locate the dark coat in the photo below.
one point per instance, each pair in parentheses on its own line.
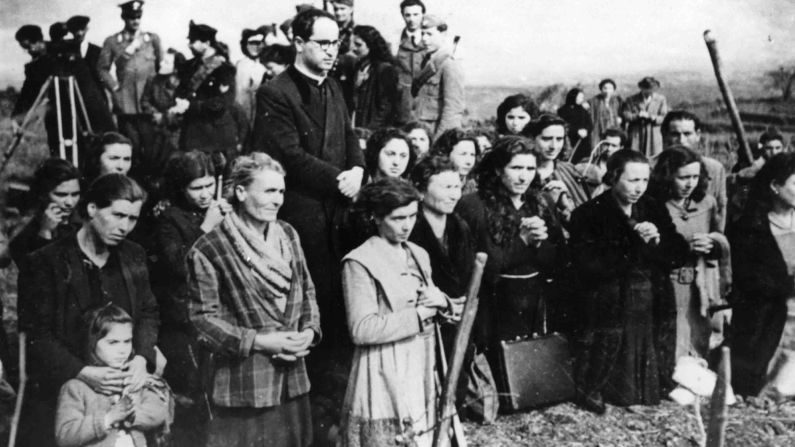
(628,306)
(36,73)
(213,121)
(450,270)
(761,287)
(314,146)
(377,98)
(53,296)
(28,240)
(92,61)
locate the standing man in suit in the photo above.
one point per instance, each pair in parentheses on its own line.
(78,26)
(136,55)
(302,122)
(438,89)
(61,281)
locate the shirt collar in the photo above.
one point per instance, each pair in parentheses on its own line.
(314,77)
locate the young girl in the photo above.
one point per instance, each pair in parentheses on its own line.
(87,418)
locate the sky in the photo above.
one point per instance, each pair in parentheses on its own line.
(503,42)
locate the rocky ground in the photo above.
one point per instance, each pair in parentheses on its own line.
(750,423)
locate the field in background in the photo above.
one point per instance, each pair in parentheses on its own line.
(750,423)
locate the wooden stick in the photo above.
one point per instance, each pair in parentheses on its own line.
(718,407)
(59,116)
(73,110)
(441,373)
(728,98)
(219,187)
(23,380)
(462,336)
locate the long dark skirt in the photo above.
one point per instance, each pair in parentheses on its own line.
(619,356)
(286,425)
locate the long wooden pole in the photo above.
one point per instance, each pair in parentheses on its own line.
(728,97)
(718,407)
(462,335)
(23,380)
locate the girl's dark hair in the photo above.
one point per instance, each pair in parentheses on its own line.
(92,168)
(618,161)
(279,54)
(98,323)
(503,224)
(761,197)
(535,127)
(376,143)
(181,170)
(510,103)
(109,188)
(661,184)
(379,198)
(51,173)
(379,49)
(449,138)
(427,168)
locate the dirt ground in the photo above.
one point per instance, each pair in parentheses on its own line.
(750,423)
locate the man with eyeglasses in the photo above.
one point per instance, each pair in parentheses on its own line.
(438,89)
(302,121)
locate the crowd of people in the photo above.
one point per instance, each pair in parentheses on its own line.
(277,251)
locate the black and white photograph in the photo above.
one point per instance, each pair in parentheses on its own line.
(419,223)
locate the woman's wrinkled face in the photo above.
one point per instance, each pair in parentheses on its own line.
(463,156)
(550,142)
(786,192)
(396,226)
(65,196)
(443,193)
(263,197)
(686,180)
(516,119)
(393,158)
(200,192)
(518,174)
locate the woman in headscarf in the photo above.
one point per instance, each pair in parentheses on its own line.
(253,306)
(580,124)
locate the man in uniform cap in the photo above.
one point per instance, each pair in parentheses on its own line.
(438,89)
(78,26)
(136,55)
(31,39)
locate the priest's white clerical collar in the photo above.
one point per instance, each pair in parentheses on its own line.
(309,75)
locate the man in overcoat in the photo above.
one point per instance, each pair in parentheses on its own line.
(438,89)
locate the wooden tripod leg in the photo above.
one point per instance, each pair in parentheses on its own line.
(23,380)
